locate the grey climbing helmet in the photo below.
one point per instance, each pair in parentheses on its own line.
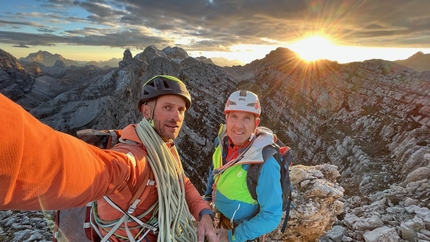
(164,85)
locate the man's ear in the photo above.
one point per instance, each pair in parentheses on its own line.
(257,121)
(145,109)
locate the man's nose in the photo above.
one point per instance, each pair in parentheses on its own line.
(177,116)
(238,124)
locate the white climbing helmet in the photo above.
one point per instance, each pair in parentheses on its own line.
(244,101)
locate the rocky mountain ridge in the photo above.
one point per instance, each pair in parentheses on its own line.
(369,121)
(45,58)
(418,61)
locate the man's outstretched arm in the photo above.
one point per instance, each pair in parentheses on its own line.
(41,168)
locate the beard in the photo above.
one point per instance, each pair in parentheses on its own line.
(167,130)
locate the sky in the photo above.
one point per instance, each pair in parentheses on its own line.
(242,30)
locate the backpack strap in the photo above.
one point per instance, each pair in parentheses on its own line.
(255,169)
(124,219)
(87,223)
(114,137)
(148,181)
(287,215)
(271,150)
(55,232)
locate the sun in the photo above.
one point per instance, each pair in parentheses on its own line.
(313,48)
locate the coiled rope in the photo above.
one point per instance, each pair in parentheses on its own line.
(174,217)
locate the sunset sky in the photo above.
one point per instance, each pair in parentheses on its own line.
(245,30)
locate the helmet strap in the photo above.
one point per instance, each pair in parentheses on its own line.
(251,137)
(151,118)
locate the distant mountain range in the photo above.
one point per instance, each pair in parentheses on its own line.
(48,59)
(419,61)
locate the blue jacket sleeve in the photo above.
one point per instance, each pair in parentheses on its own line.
(208,192)
(269,197)
(209,184)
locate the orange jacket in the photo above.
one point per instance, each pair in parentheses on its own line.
(123,197)
(44,169)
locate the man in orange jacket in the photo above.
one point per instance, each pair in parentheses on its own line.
(43,169)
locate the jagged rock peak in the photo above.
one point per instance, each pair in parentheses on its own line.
(418,54)
(204,60)
(127,55)
(127,59)
(149,53)
(7,60)
(281,51)
(279,56)
(176,53)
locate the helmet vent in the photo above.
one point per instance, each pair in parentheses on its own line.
(158,86)
(164,85)
(243,100)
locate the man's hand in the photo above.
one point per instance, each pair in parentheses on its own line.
(206,228)
(222,235)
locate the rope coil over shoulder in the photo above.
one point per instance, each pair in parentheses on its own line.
(175,223)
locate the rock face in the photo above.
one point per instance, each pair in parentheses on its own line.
(33,84)
(367,121)
(316,203)
(15,82)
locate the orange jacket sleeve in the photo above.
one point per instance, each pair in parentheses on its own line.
(195,201)
(41,168)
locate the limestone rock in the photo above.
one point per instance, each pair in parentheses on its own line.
(316,204)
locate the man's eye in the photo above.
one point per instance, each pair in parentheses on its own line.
(167,107)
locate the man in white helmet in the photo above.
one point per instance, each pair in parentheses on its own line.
(239,144)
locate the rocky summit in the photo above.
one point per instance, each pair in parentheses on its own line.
(359,132)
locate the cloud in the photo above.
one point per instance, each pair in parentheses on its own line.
(216,25)
(101,10)
(19,23)
(21,46)
(45,30)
